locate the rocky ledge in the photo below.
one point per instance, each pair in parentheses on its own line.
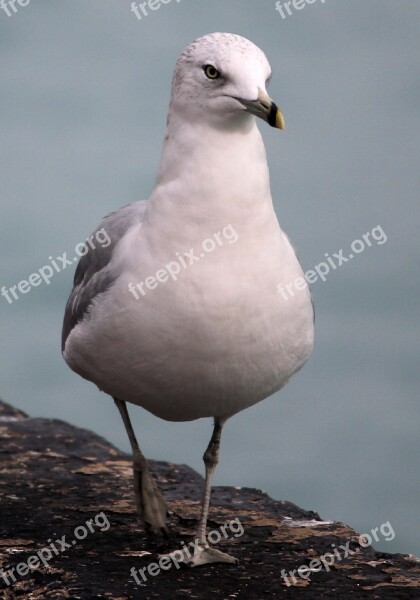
(69,530)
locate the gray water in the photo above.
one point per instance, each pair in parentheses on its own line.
(84,92)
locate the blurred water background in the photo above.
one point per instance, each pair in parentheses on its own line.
(84,94)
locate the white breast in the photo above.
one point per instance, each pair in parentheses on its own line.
(218,339)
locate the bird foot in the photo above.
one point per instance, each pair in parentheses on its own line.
(151,505)
(202,556)
(209,555)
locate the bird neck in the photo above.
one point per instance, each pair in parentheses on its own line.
(209,177)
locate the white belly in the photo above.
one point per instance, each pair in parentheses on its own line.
(212,343)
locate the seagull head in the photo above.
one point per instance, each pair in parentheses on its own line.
(221,79)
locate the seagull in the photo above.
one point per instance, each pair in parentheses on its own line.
(181,313)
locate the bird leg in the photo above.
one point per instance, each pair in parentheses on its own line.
(203,554)
(150,503)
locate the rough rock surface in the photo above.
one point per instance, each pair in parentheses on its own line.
(55,478)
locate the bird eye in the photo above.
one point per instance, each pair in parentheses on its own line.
(211,72)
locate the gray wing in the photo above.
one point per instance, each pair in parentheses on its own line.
(93,274)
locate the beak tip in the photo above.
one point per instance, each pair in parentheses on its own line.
(280,123)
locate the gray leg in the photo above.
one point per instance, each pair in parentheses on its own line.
(204,554)
(211,459)
(150,504)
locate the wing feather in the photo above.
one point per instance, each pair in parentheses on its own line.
(95,273)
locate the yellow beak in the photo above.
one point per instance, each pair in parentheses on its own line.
(265,108)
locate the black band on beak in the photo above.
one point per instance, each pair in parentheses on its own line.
(272,115)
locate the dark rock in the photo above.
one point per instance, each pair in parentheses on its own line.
(61,487)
